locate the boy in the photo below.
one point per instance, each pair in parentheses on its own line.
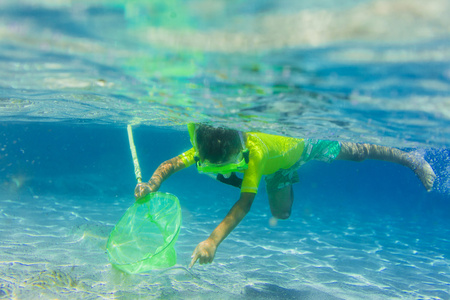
(221,152)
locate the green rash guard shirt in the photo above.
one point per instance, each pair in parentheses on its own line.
(267,154)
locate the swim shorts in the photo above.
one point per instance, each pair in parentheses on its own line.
(321,150)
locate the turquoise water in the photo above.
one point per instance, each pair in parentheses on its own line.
(74,74)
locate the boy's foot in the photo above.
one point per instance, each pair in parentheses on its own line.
(423,170)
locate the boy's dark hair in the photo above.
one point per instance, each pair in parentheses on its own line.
(217,143)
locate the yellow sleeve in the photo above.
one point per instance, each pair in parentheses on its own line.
(188,157)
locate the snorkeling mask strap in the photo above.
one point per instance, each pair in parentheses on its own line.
(245,151)
(246,154)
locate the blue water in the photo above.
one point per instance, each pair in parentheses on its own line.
(73,75)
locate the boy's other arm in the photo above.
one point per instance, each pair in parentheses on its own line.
(205,251)
(164,171)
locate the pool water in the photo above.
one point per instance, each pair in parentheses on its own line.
(74,74)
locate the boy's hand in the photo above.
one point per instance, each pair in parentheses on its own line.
(142,189)
(204,252)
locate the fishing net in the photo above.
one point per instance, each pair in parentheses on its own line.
(145,236)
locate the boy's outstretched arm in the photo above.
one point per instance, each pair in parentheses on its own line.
(205,251)
(163,172)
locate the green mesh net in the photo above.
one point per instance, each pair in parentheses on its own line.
(145,236)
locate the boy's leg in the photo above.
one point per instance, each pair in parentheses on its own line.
(360,152)
(280,202)
(280,192)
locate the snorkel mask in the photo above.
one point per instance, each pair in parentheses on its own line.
(238,164)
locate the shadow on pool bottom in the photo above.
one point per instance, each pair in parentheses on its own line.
(272,291)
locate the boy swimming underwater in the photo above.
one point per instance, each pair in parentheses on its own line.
(221,152)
